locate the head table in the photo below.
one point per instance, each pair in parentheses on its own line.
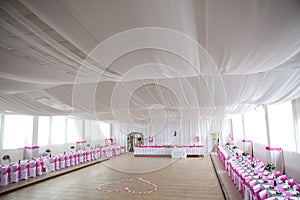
(254,179)
(169,151)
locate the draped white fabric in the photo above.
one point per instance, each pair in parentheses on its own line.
(138,61)
(163,132)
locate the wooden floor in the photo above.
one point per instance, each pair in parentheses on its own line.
(229,188)
(191,178)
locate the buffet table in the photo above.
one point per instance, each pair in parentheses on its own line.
(169,151)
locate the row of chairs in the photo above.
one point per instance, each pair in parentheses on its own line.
(15,172)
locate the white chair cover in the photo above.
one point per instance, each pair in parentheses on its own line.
(49,165)
(68,161)
(3,176)
(32,169)
(14,175)
(61,160)
(24,171)
(39,169)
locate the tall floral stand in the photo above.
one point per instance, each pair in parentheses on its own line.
(248,147)
(80,145)
(275,156)
(31,152)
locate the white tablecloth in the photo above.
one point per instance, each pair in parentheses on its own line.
(167,151)
(179,153)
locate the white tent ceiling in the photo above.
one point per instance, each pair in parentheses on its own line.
(138,59)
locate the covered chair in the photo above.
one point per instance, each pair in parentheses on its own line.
(39,167)
(3,176)
(50,164)
(14,173)
(263,194)
(32,169)
(23,171)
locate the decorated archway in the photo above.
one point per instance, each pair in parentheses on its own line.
(134,139)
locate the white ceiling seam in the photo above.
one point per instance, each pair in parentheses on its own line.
(40,33)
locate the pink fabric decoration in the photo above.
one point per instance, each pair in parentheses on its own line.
(298,188)
(231,136)
(292,182)
(273,149)
(277,174)
(246,141)
(19,172)
(9,174)
(81,142)
(150,139)
(283,178)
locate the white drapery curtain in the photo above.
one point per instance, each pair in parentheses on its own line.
(37,71)
(163,133)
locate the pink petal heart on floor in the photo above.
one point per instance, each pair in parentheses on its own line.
(154,187)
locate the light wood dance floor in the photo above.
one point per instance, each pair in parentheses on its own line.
(191,178)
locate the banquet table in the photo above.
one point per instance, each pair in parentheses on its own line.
(15,172)
(166,151)
(30,168)
(251,178)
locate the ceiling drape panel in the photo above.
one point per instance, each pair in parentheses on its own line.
(140,61)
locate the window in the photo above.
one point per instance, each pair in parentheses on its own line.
(105,129)
(74,127)
(237,128)
(58,130)
(43,130)
(18,130)
(99,130)
(255,126)
(95,131)
(296,107)
(281,126)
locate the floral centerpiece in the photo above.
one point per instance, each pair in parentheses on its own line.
(72,148)
(245,154)
(6,159)
(48,152)
(269,167)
